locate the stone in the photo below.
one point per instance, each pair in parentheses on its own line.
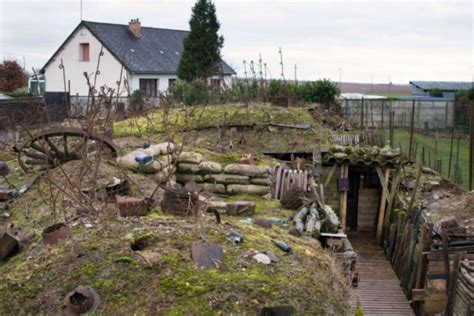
(210,167)
(185,178)
(186,167)
(246,170)
(226,178)
(191,157)
(261,181)
(262,258)
(247,189)
(213,187)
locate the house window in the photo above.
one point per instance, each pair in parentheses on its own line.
(84,54)
(149,87)
(215,83)
(171,82)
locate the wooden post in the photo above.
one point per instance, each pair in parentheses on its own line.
(412,126)
(444,236)
(423,161)
(392,123)
(383,203)
(453,126)
(413,194)
(458,257)
(471,142)
(343,199)
(362,114)
(381,125)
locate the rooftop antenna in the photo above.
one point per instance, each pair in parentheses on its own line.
(81,10)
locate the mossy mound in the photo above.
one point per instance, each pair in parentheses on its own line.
(100,254)
(209,117)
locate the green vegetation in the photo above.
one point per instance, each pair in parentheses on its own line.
(202,47)
(101,256)
(209,117)
(433,151)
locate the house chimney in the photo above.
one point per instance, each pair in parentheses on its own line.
(135,27)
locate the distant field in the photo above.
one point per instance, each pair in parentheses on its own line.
(403,137)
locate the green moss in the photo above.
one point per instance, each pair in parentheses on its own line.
(210,116)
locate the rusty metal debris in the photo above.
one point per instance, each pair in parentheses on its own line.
(51,148)
(4,170)
(54,233)
(132,206)
(11,240)
(181,201)
(262,222)
(7,194)
(206,254)
(277,310)
(80,301)
(241,208)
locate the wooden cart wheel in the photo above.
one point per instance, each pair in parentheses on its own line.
(51,148)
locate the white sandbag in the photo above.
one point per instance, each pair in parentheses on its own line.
(210,167)
(246,170)
(187,156)
(247,189)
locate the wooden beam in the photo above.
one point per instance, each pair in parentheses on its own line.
(343,199)
(383,181)
(383,203)
(330,174)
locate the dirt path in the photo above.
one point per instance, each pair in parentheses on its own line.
(379,290)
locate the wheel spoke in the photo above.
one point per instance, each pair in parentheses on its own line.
(56,150)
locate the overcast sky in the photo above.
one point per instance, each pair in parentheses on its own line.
(363,40)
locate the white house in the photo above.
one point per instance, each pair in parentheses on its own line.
(147,57)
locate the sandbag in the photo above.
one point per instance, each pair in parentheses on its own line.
(261,181)
(213,187)
(191,157)
(186,167)
(226,178)
(210,167)
(246,170)
(185,178)
(247,189)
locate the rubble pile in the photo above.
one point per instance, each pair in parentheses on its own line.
(232,179)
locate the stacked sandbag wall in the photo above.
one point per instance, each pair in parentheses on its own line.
(232,179)
(161,165)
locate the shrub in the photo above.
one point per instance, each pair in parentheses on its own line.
(190,93)
(12,76)
(322,91)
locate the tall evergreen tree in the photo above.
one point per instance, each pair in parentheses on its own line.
(202,47)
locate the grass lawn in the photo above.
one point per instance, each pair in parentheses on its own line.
(440,151)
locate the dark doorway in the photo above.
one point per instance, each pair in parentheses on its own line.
(353,198)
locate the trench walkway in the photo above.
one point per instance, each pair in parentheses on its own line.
(379,291)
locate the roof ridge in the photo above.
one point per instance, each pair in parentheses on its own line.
(143,27)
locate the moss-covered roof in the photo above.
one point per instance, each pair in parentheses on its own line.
(360,155)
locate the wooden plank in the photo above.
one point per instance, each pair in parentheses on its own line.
(383,203)
(423,295)
(330,174)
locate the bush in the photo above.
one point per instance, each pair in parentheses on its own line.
(322,91)
(190,93)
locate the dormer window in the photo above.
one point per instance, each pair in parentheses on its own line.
(84,52)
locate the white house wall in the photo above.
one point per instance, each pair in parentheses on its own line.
(75,68)
(163,81)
